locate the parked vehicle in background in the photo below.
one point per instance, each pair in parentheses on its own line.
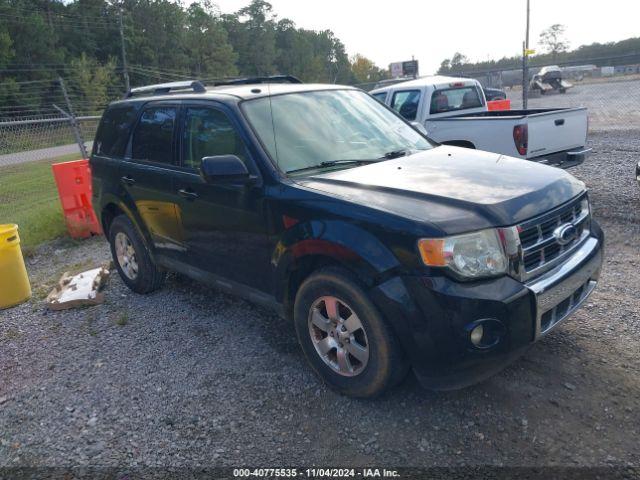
(384,250)
(549,79)
(494,94)
(454,112)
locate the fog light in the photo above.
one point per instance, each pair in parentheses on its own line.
(476,335)
(485,333)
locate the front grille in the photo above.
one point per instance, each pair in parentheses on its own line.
(541,248)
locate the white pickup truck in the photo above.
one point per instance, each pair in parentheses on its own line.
(453,111)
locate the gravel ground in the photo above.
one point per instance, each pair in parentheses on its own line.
(188,376)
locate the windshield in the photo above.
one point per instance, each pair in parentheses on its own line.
(329,129)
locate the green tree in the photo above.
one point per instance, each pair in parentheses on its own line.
(445,66)
(93,82)
(364,70)
(553,40)
(458,60)
(6,50)
(252,34)
(208,49)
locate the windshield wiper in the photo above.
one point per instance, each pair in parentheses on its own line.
(331,163)
(394,154)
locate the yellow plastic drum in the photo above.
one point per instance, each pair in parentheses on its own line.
(14,282)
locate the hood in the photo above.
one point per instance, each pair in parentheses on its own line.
(455,189)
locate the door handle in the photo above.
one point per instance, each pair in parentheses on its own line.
(188,194)
(559,122)
(128,180)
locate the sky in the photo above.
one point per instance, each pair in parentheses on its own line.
(391,31)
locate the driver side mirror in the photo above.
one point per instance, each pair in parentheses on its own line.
(224,169)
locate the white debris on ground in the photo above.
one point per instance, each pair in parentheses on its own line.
(79,290)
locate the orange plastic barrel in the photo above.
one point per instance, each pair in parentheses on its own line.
(74,187)
(14,281)
(499,105)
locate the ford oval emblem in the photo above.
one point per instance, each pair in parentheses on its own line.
(565,233)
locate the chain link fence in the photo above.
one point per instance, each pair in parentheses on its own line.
(39,126)
(43,138)
(28,194)
(609,87)
(612,103)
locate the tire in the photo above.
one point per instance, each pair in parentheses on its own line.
(131,257)
(384,365)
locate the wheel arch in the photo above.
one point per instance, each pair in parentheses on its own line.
(109,212)
(298,256)
(114,208)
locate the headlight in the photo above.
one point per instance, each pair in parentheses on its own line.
(472,255)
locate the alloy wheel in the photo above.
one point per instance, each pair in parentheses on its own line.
(126,255)
(338,336)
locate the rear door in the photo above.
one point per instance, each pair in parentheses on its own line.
(147,176)
(556,131)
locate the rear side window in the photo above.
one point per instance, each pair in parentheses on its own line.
(114,131)
(406,103)
(449,99)
(153,136)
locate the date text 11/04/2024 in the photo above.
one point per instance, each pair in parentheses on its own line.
(316,473)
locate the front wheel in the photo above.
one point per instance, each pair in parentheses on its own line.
(344,337)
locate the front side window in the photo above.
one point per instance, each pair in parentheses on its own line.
(114,131)
(307,129)
(406,103)
(449,99)
(208,132)
(153,136)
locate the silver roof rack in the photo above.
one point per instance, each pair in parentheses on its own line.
(163,88)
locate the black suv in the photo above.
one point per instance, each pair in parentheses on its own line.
(385,250)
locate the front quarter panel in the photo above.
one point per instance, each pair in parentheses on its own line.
(347,244)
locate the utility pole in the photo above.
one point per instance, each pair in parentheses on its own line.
(125,71)
(525,67)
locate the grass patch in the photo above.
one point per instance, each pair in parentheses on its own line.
(122,319)
(29,197)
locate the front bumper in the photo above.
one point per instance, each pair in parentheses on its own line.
(431,315)
(565,159)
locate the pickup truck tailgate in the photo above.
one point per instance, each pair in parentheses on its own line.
(556,131)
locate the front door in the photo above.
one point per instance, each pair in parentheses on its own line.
(224,224)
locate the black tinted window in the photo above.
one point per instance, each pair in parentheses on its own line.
(381,97)
(209,132)
(449,99)
(406,103)
(115,127)
(153,136)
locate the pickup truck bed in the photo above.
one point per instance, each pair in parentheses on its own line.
(454,111)
(554,136)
